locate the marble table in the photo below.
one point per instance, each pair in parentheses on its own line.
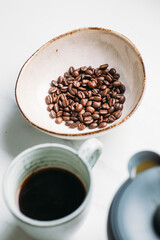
(25,26)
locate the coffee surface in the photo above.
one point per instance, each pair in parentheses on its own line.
(50,194)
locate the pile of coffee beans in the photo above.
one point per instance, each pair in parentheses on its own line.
(86,97)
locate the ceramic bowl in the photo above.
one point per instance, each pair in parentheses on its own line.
(86,46)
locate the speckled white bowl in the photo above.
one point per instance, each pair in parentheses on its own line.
(86,46)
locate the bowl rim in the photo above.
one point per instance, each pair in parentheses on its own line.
(70,33)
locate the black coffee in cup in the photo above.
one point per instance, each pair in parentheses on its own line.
(50,194)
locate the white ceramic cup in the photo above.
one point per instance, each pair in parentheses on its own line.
(44,156)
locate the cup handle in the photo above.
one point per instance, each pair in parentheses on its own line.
(90,151)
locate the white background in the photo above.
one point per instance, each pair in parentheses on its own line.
(24,27)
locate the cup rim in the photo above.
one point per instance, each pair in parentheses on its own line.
(33,222)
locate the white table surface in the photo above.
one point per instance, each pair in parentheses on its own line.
(24,27)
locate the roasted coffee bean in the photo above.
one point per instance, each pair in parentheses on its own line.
(59,120)
(98,72)
(105,92)
(104,100)
(81,126)
(59,114)
(52,89)
(122,99)
(87,118)
(97,98)
(65,103)
(107,115)
(106,82)
(102,125)
(86,76)
(60,103)
(76,84)
(56,107)
(111,101)
(89,103)
(118,90)
(111,119)
(87,122)
(66,118)
(118,106)
(96,104)
(108,97)
(91,84)
(78,78)
(113,94)
(91,98)
(116,76)
(60,79)
(95,116)
(90,109)
(103,66)
(89,93)
(79,107)
(86,114)
(50,107)
(80,118)
(117,114)
(76,99)
(103,112)
(71,90)
(122,88)
(53,114)
(103,87)
(108,78)
(66,74)
(93,125)
(83,69)
(66,114)
(105,106)
(85,81)
(86,97)
(74,114)
(101,79)
(69,122)
(74,125)
(75,73)
(70,79)
(81,94)
(68,94)
(54,83)
(89,72)
(48,99)
(62,96)
(82,112)
(116,84)
(67,109)
(65,82)
(105,71)
(84,101)
(82,89)
(111,110)
(63,89)
(71,70)
(74,119)
(112,71)
(95,80)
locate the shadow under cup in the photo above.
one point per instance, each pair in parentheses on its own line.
(34,159)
